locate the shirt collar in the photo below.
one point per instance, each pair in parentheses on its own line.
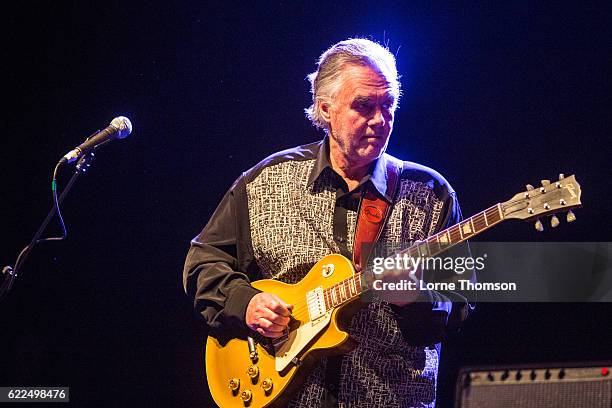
(377,174)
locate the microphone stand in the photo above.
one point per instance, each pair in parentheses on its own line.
(11,273)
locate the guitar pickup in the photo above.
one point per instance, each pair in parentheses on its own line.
(316,303)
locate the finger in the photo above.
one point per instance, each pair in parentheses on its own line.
(270,326)
(275,318)
(280,307)
(269,334)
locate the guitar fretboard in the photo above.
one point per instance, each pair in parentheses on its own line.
(354,286)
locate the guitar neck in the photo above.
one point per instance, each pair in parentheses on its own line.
(354,286)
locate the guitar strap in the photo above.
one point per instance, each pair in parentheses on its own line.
(371,218)
(372,215)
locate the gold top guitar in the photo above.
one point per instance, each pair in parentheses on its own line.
(257,372)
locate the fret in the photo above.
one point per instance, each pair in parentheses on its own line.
(476,221)
(455,234)
(431,241)
(325,298)
(501,215)
(493,215)
(484,213)
(428,247)
(444,239)
(472,222)
(422,249)
(466,229)
(490,216)
(413,251)
(337,288)
(358,280)
(343,295)
(354,284)
(333,295)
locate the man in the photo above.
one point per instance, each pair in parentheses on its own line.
(298,205)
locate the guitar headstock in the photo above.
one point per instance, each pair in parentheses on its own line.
(552,197)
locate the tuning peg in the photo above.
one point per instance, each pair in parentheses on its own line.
(561,176)
(570,216)
(539,226)
(554,221)
(545,182)
(529,187)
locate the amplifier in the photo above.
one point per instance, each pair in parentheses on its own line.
(573,385)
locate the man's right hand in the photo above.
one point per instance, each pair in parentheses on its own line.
(268,315)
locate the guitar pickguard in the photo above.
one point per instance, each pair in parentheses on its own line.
(298,339)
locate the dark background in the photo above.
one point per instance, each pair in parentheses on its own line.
(495,96)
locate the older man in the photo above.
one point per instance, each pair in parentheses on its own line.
(298,205)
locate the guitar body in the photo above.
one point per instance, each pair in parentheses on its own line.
(231,361)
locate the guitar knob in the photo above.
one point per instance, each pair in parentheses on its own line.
(246,395)
(561,176)
(570,216)
(234,384)
(529,187)
(545,182)
(554,221)
(266,385)
(253,372)
(539,226)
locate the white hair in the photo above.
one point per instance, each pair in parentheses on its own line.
(326,80)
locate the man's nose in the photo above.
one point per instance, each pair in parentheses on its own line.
(378,119)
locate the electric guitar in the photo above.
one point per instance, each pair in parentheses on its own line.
(254,371)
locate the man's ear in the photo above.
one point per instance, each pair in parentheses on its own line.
(324,108)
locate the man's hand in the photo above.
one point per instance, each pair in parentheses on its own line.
(399,277)
(268,315)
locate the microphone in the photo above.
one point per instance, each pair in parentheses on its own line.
(119,128)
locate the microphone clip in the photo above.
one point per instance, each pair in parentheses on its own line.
(85,162)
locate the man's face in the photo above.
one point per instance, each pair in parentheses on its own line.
(361,115)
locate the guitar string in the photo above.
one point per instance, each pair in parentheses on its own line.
(301,308)
(480,224)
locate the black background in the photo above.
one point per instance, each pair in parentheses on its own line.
(495,96)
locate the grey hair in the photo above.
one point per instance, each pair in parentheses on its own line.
(326,80)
